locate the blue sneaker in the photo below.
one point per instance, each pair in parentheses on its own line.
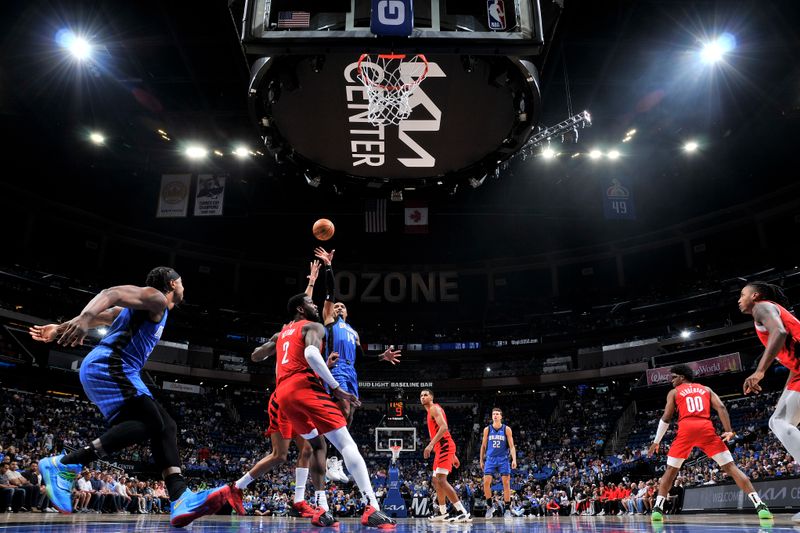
(59,479)
(192,505)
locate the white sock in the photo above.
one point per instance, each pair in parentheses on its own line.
(755,499)
(460,507)
(244,481)
(343,442)
(443,509)
(660,501)
(322,499)
(300,478)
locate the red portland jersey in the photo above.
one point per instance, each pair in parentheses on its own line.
(693,401)
(433,427)
(290,355)
(788,355)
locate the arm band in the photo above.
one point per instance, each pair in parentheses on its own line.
(662,430)
(318,365)
(330,284)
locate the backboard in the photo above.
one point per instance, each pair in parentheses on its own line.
(385,437)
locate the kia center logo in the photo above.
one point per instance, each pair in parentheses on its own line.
(391,12)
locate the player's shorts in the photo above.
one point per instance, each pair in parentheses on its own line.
(346,379)
(697,434)
(500,467)
(108,382)
(445,453)
(307,406)
(278,423)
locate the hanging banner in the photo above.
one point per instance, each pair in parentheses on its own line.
(706,367)
(173,198)
(618,202)
(210,195)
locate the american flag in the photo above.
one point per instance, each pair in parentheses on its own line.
(375,215)
(294,19)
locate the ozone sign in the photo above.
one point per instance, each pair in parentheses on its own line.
(463,116)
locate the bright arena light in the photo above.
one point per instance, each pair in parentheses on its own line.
(102,331)
(79,47)
(685,334)
(196,152)
(690,147)
(613,154)
(241,152)
(97,138)
(715,50)
(488,369)
(595,154)
(548,153)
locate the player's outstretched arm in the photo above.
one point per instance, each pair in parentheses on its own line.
(73,332)
(724,417)
(768,315)
(266,350)
(313,273)
(330,284)
(663,423)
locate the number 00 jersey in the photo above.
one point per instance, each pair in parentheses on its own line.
(693,401)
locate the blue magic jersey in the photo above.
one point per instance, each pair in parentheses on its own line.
(110,374)
(343,339)
(496,443)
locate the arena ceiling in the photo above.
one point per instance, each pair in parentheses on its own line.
(178,67)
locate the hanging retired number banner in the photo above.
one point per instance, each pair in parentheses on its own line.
(210,195)
(618,201)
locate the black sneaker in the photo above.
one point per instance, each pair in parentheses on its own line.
(375,518)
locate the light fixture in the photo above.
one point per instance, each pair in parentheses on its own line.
(102,331)
(313,182)
(713,51)
(595,154)
(196,152)
(241,152)
(488,369)
(217,152)
(690,147)
(613,154)
(475,182)
(685,334)
(548,153)
(97,138)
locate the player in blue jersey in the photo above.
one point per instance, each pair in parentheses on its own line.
(110,375)
(497,442)
(342,346)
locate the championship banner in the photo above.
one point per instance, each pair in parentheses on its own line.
(173,198)
(706,367)
(210,194)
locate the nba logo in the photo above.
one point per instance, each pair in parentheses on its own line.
(497,14)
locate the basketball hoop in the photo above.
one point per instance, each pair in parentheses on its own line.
(390,80)
(395,452)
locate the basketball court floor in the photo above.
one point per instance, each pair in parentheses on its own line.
(694,523)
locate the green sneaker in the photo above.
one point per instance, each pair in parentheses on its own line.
(763,512)
(657,515)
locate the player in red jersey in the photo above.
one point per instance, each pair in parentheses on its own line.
(444,460)
(695,430)
(779,332)
(309,408)
(281,434)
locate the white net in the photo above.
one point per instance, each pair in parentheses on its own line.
(390,80)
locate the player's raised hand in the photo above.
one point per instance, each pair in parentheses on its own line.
(313,271)
(342,395)
(324,256)
(332,359)
(751,384)
(391,355)
(728,436)
(46,333)
(653,449)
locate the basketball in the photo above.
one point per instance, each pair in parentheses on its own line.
(323,229)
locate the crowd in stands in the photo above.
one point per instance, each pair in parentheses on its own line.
(560,437)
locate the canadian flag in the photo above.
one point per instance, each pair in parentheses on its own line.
(416,216)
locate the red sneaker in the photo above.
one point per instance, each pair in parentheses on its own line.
(234,498)
(304,508)
(375,518)
(323,518)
